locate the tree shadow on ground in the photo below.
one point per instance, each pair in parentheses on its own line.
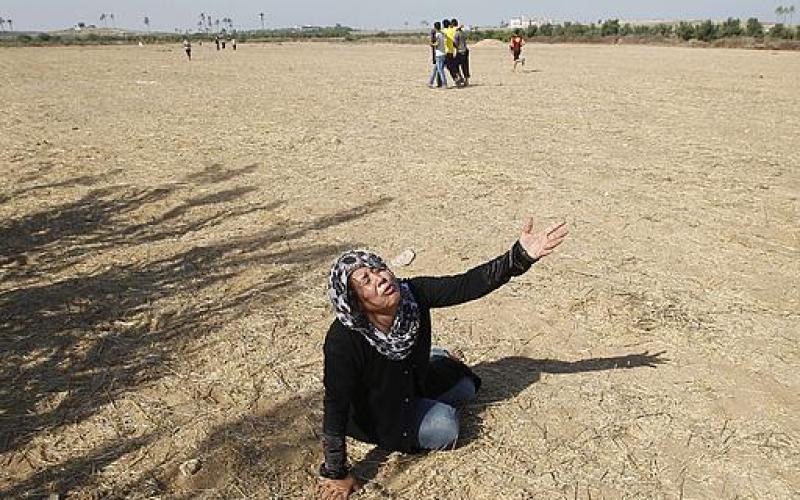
(506,378)
(216,173)
(272,453)
(71,345)
(83,181)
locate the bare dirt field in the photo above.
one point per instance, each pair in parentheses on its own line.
(166,229)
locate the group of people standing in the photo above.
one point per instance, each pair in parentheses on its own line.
(187,44)
(449,50)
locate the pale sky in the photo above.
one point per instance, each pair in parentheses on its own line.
(167,15)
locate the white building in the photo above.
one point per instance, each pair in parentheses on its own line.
(526,21)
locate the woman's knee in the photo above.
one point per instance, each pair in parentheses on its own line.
(439,427)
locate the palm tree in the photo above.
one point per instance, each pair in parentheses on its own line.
(147,23)
(216,24)
(423,23)
(779,11)
(9,22)
(103,19)
(790,10)
(261,15)
(2,24)
(113,21)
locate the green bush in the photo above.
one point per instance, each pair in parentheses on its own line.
(754,28)
(731,27)
(531,31)
(43,37)
(685,31)
(610,27)
(780,31)
(576,29)
(706,31)
(662,29)
(546,30)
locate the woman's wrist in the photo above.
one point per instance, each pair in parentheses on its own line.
(340,473)
(521,255)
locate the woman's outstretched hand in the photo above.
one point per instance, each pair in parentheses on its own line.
(541,243)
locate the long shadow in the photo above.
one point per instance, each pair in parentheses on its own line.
(216,173)
(70,345)
(76,471)
(274,448)
(505,378)
(83,180)
(48,242)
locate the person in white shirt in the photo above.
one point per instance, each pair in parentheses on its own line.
(438,44)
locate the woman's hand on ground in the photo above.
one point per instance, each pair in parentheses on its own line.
(541,243)
(337,489)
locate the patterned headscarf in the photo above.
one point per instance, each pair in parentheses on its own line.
(400,340)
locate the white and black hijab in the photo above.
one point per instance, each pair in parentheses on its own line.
(399,342)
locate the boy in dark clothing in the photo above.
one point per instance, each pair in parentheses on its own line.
(462,54)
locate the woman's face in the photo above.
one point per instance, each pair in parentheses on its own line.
(376,289)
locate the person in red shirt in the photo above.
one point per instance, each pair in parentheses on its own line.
(515,45)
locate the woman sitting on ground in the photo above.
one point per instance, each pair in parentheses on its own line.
(383,382)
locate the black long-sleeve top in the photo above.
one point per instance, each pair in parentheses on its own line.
(379,394)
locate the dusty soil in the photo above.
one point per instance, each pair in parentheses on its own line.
(166,229)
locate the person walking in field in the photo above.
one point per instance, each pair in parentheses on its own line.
(433,54)
(462,53)
(187,47)
(515,45)
(449,32)
(438,45)
(384,382)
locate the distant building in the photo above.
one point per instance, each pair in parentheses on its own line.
(526,21)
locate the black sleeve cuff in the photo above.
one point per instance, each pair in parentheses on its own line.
(328,474)
(335,465)
(520,260)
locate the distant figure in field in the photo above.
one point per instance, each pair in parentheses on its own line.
(433,55)
(216,41)
(449,32)
(438,57)
(233,43)
(515,45)
(462,53)
(224,40)
(187,47)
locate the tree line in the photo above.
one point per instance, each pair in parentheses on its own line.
(603,31)
(705,31)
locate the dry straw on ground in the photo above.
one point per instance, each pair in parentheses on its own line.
(166,229)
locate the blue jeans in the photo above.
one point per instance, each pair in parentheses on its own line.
(437,419)
(438,68)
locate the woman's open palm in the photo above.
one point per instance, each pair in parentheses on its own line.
(541,243)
